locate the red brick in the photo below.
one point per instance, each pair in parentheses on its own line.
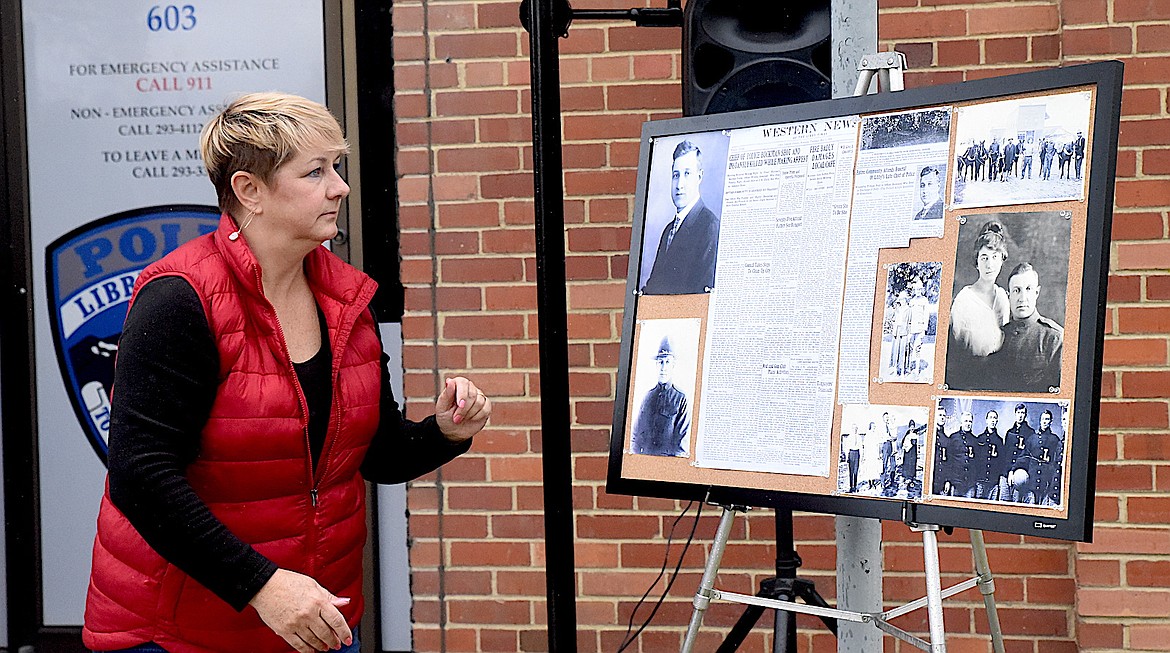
(1137,226)
(1156,161)
(599,239)
(1145,384)
(1148,510)
(1046,48)
(1143,133)
(595,296)
(600,182)
(644,96)
(918,55)
(491,14)
(486,612)
(483,327)
(1009,50)
(505,186)
(582,98)
(504,129)
(1125,602)
(1147,446)
(958,53)
(1098,40)
(1127,11)
(1008,19)
(1092,572)
(1143,256)
(458,130)
(1135,351)
(1145,70)
(1125,288)
(1134,414)
(1143,319)
(939,24)
(478,159)
(479,498)
(1108,384)
(1100,635)
(1148,573)
(583,40)
(1152,38)
(640,39)
(473,45)
(1079,12)
(475,103)
(481,269)
(1141,102)
(1124,477)
(1149,636)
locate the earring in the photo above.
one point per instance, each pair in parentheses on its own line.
(235,235)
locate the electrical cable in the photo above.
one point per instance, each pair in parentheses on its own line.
(630,639)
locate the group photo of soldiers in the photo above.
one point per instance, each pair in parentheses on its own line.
(881,451)
(1021,151)
(1008,302)
(1001,450)
(664,387)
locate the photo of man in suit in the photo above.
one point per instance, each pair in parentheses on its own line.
(684,262)
(930,192)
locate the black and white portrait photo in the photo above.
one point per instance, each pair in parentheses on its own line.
(680,239)
(664,386)
(881,451)
(1003,450)
(1022,151)
(910,322)
(931,187)
(1006,319)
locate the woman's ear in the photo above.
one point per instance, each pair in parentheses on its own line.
(248,190)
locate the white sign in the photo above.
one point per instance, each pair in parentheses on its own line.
(116,95)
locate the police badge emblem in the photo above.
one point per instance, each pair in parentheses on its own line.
(90,274)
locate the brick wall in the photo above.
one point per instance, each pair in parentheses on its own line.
(468,263)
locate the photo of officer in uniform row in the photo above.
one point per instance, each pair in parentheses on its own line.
(1000,450)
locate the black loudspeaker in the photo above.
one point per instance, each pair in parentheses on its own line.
(750,54)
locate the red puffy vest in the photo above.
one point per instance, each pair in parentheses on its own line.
(254,468)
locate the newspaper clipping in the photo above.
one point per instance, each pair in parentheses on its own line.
(769,378)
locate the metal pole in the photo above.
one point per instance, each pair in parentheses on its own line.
(548,194)
(987,588)
(938,633)
(703,594)
(859,540)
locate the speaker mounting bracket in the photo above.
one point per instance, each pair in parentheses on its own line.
(669,16)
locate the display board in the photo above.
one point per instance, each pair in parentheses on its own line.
(889,306)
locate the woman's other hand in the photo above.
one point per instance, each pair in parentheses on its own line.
(302,612)
(462,409)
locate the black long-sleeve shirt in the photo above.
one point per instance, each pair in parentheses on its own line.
(165,383)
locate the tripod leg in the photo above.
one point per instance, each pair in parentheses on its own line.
(703,595)
(739,632)
(987,588)
(938,635)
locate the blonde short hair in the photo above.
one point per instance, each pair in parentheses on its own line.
(259,132)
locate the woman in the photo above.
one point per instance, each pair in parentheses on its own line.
(252,397)
(978,312)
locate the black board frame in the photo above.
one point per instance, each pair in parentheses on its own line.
(1106,76)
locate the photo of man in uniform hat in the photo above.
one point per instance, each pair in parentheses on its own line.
(664,419)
